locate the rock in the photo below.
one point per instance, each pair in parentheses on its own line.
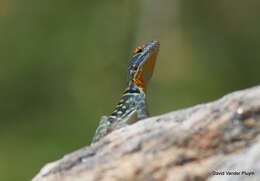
(212,141)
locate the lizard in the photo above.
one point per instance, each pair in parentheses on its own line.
(132,106)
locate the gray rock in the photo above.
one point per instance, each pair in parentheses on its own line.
(213,141)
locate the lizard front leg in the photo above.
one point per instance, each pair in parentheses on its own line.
(141,106)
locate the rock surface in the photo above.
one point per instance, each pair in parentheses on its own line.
(214,141)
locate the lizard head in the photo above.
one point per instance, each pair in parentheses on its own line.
(140,68)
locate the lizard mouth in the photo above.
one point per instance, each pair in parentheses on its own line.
(150,48)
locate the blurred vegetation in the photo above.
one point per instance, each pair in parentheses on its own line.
(63,65)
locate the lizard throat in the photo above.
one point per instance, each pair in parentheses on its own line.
(139,82)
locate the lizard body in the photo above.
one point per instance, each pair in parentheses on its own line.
(132,105)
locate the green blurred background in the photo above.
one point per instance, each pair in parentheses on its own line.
(64,63)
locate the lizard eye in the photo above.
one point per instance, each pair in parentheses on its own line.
(138,50)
